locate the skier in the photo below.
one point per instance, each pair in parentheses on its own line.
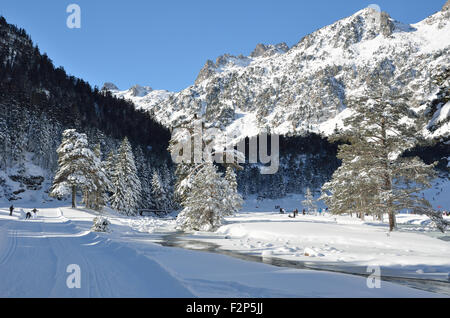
(304,212)
(34,213)
(295,213)
(11,210)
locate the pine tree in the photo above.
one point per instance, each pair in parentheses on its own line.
(96,198)
(127,186)
(204,204)
(146,183)
(351,191)
(110,168)
(78,166)
(233,198)
(159,195)
(309,202)
(382,128)
(168,184)
(145,176)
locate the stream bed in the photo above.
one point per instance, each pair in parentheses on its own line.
(393,275)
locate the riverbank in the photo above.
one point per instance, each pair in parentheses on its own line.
(417,251)
(34,255)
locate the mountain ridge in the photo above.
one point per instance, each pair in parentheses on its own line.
(304,89)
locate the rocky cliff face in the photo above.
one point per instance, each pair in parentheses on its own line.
(305,88)
(446,6)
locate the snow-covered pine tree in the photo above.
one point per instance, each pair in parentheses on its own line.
(145,176)
(146,184)
(96,199)
(233,198)
(381,129)
(200,188)
(352,189)
(78,166)
(4,141)
(110,168)
(183,169)
(309,202)
(204,204)
(183,174)
(168,182)
(159,195)
(127,185)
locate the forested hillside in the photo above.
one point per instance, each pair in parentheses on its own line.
(39,101)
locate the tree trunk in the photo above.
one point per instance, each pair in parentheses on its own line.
(74,197)
(387,178)
(392,223)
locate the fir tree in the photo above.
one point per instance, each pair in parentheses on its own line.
(204,204)
(126,183)
(352,187)
(159,195)
(96,198)
(309,202)
(233,197)
(145,176)
(168,184)
(78,166)
(110,168)
(382,128)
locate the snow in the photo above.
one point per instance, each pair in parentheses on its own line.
(331,239)
(244,125)
(323,239)
(144,98)
(441,115)
(34,256)
(432,37)
(29,170)
(328,128)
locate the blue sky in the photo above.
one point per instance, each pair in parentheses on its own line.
(164,44)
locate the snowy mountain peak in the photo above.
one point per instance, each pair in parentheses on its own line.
(109,87)
(362,26)
(446,6)
(268,50)
(227,61)
(305,88)
(222,62)
(140,91)
(143,97)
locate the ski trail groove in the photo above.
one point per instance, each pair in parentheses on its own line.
(12,246)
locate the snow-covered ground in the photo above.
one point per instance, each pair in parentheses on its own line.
(344,243)
(34,256)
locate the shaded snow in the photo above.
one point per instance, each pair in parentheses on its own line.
(34,257)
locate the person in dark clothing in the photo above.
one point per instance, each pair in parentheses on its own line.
(282,211)
(304,212)
(295,212)
(11,210)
